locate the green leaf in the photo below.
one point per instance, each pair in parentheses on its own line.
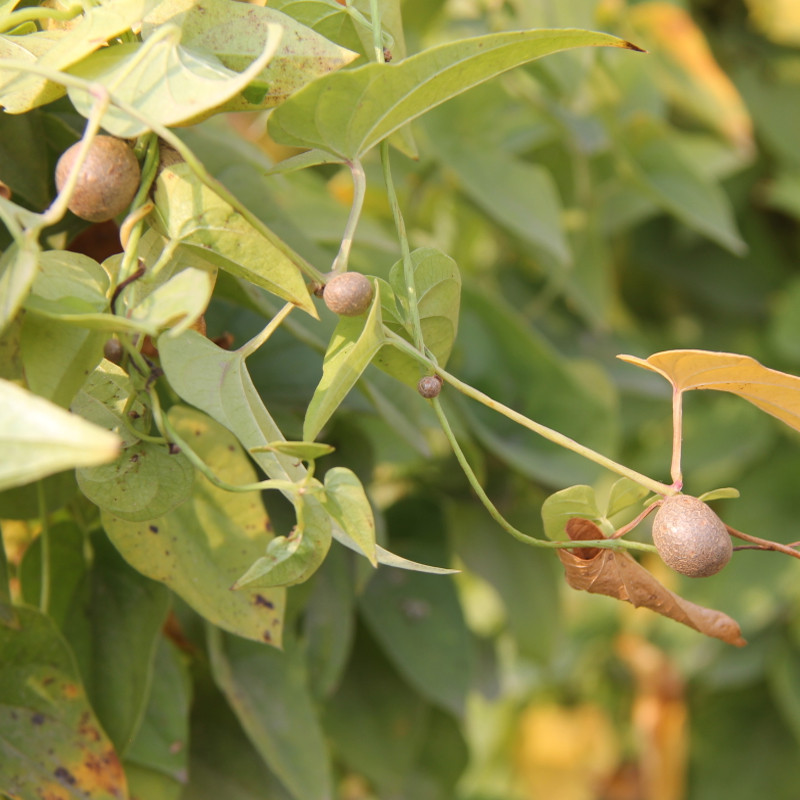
(114,630)
(527,580)
(152,784)
(223,761)
(162,740)
(268,691)
(164,81)
(39,438)
(305,451)
(624,494)
(237,35)
(329,622)
(48,731)
(58,357)
(198,218)
(375,721)
(417,619)
(199,548)
(30,90)
(217,381)
(346,501)
(520,196)
(98,25)
(24,166)
(352,347)
(558,508)
(68,570)
(437,283)
(660,170)
(68,283)
(334,22)
(295,558)
(349,112)
(8,616)
(145,482)
(17,272)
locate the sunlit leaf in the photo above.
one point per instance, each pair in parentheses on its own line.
(560,507)
(17,272)
(777,19)
(777,393)
(437,283)
(39,438)
(294,558)
(198,218)
(145,482)
(50,739)
(346,501)
(624,494)
(268,692)
(58,356)
(99,24)
(201,547)
(237,35)
(305,451)
(164,81)
(352,347)
(389,95)
(616,574)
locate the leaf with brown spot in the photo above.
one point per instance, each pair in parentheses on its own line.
(617,575)
(51,744)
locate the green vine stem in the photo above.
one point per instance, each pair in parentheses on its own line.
(607,544)
(44,589)
(677,437)
(542,430)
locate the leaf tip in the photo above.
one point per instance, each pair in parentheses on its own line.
(631,46)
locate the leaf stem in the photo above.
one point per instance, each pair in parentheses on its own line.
(607,544)
(677,438)
(248,348)
(359,192)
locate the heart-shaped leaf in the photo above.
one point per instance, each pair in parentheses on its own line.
(201,547)
(777,393)
(99,24)
(346,501)
(164,81)
(347,113)
(352,347)
(237,35)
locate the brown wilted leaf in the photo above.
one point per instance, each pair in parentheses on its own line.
(777,393)
(617,575)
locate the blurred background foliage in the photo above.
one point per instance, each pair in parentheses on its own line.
(596,202)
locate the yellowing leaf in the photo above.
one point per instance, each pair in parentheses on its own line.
(777,393)
(693,77)
(779,20)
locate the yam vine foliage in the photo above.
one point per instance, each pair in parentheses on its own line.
(255,548)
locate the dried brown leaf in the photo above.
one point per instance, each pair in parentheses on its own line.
(777,393)
(617,575)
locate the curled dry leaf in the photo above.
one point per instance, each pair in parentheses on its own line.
(616,574)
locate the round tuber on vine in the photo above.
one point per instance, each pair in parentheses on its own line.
(107,180)
(690,537)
